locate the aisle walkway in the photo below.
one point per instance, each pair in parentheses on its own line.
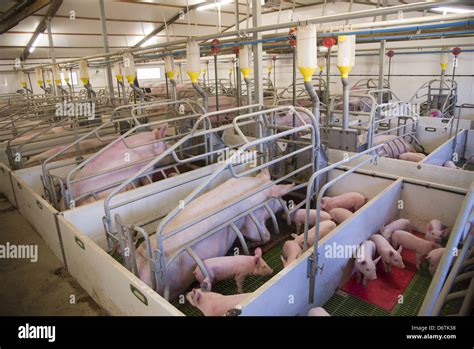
(36,288)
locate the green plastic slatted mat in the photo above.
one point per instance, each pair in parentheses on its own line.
(228,287)
(344,304)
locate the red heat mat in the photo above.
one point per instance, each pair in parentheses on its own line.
(385,290)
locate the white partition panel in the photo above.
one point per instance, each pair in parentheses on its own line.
(111,285)
(39,213)
(422,204)
(444,152)
(419,171)
(6,187)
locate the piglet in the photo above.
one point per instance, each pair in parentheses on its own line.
(389,255)
(291,251)
(433,258)
(413,157)
(236,267)
(324,229)
(339,215)
(351,201)
(298,217)
(365,263)
(411,242)
(214,304)
(318,311)
(435,231)
(399,224)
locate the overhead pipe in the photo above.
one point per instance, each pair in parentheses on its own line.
(414,36)
(367,32)
(419,6)
(398,29)
(285,38)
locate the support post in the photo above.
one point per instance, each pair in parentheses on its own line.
(257,51)
(381,76)
(52,53)
(110,81)
(237,63)
(216,83)
(345,99)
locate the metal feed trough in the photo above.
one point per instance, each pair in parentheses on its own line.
(270,135)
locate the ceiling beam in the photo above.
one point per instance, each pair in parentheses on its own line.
(169,5)
(90,34)
(13,17)
(168,22)
(53,8)
(121,20)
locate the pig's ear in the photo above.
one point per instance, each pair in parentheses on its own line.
(258,252)
(161,133)
(445,232)
(265,174)
(256,260)
(197,296)
(391,253)
(400,249)
(279,190)
(377,260)
(323,203)
(429,227)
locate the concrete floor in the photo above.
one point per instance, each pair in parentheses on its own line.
(41,288)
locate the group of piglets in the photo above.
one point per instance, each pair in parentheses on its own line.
(335,210)
(388,244)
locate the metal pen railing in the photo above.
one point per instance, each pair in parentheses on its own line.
(269,134)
